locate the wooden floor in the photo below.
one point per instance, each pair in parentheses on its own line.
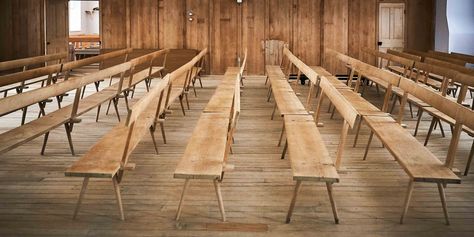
(37,199)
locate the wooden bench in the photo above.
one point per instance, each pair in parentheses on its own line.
(310,160)
(104,160)
(24,64)
(53,73)
(68,115)
(417,161)
(207,151)
(424,55)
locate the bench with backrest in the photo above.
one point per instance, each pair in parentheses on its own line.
(309,158)
(206,153)
(24,64)
(53,73)
(465,57)
(109,157)
(430,55)
(179,88)
(68,115)
(417,161)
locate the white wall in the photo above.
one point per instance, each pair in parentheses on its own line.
(460,14)
(89,21)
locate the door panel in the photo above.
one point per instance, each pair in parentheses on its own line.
(57,26)
(391,26)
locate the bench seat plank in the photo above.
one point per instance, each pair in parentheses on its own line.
(419,163)
(204,154)
(288,103)
(362,106)
(310,160)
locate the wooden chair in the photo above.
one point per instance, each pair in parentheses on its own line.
(104,160)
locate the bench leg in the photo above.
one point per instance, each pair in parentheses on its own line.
(368,145)
(293,201)
(411,109)
(181,102)
(98,113)
(152,133)
(284,150)
(194,88)
(44,143)
(407,200)
(118,196)
(333,203)
(133,91)
(162,127)
(81,196)
(68,127)
(266,80)
(281,134)
(357,133)
(471,155)
(83,91)
(274,109)
(187,101)
(420,114)
(441,128)
(393,105)
(442,195)
(433,122)
(181,200)
(333,112)
(217,186)
(116,108)
(342,143)
(317,113)
(125,97)
(23,115)
(269,95)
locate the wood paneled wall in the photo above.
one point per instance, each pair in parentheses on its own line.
(226,28)
(21,29)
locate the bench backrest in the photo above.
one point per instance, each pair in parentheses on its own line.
(18,101)
(58,68)
(449,65)
(415,58)
(366,69)
(428,55)
(26,63)
(465,57)
(142,115)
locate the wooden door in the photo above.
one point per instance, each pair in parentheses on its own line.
(391,26)
(57,26)
(224,43)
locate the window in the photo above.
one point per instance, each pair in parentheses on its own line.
(74,16)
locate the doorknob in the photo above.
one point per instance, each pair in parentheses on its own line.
(379,43)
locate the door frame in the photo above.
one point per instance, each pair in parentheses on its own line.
(405,27)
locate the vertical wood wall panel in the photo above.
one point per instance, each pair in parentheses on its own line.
(335,32)
(362,28)
(172,23)
(21,29)
(197,30)
(253,22)
(144,28)
(113,21)
(224,35)
(420,28)
(307,31)
(278,15)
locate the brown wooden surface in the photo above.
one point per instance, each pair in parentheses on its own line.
(257,192)
(417,160)
(204,154)
(310,160)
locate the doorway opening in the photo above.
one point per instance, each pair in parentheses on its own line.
(84,23)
